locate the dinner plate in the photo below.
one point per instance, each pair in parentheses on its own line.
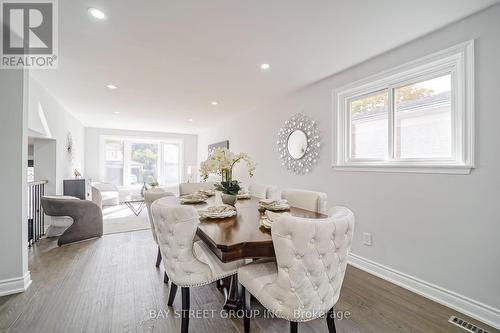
(266,201)
(208,193)
(276,208)
(244,196)
(265,223)
(192,200)
(214,215)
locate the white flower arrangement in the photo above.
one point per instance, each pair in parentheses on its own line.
(221,162)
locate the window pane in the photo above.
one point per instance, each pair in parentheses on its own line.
(143,163)
(369,126)
(114,162)
(171,153)
(171,163)
(423,119)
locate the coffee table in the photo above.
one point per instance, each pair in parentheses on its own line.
(135,203)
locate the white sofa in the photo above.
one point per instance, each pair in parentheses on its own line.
(108,192)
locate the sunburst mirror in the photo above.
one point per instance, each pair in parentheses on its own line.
(299,144)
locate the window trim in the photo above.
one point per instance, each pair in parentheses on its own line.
(459,62)
(159,141)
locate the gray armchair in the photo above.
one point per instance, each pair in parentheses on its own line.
(86,215)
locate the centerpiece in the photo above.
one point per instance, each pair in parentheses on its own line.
(222,162)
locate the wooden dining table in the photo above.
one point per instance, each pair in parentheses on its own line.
(240,237)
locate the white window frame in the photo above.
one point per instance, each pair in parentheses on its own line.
(126,169)
(457,61)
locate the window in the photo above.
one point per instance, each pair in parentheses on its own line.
(132,161)
(113,162)
(171,152)
(418,117)
(143,166)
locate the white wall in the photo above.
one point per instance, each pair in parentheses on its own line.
(441,230)
(93,139)
(48,119)
(45,163)
(14,274)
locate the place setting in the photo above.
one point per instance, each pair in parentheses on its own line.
(273,204)
(194,198)
(269,217)
(244,194)
(217,212)
(207,192)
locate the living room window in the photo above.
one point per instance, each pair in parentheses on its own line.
(418,117)
(130,162)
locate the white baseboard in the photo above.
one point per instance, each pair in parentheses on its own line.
(477,310)
(15,285)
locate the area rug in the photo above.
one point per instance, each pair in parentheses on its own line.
(121,219)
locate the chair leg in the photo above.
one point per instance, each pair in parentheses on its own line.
(171,296)
(245,301)
(165,278)
(330,321)
(293,327)
(185,310)
(158,257)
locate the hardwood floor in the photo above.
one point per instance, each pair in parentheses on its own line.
(112,285)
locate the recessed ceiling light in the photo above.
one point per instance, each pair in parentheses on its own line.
(265,66)
(190,120)
(214,103)
(116,112)
(97,13)
(111,86)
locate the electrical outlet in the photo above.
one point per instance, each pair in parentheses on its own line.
(367,239)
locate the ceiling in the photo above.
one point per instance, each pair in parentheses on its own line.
(171,59)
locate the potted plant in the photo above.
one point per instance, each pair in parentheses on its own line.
(152,182)
(222,162)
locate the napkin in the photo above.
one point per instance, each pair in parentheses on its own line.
(206,192)
(194,196)
(273,217)
(272,202)
(218,209)
(243,191)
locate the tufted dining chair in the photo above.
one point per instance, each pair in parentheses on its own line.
(151,196)
(263,191)
(188,264)
(309,200)
(305,280)
(188,188)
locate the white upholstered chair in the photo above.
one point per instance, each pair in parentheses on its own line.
(187,263)
(305,280)
(188,188)
(151,196)
(108,192)
(309,200)
(263,191)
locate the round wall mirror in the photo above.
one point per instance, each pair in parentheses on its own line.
(297,144)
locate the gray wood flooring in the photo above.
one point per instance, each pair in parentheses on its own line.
(111,285)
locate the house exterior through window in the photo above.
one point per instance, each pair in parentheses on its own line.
(418,117)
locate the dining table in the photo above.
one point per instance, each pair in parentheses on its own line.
(240,237)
